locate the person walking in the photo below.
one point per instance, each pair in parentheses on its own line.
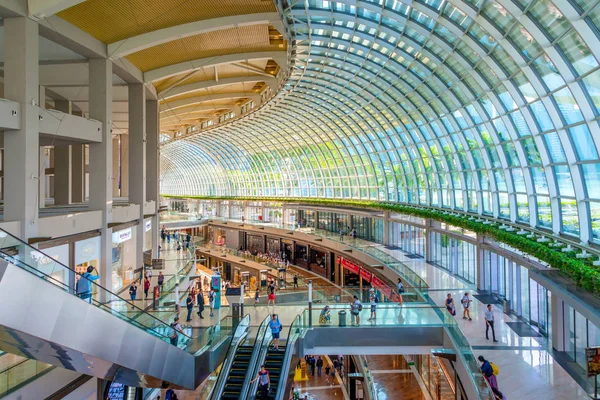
(161,281)
(373,300)
(312,363)
(256,296)
(189,303)
(355,309)
(466,302)
(489,323)
(450,305)
(319,366)
(341,234)
(176,328)
(146,287)
(400,291)
(295,281)
(488,371)
(133,292)
(83,287)
(263,382)
(211,301)
(276,328)
(200,301)
(271,297)
(353,233)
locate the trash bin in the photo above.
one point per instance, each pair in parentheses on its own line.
(342,318)
(506,306)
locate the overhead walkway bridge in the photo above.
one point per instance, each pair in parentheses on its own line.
(43,319)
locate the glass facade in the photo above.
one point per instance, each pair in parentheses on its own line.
(455,255)
(472,106)
(407,237)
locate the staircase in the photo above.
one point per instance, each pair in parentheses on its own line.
(273,364)
(238,371)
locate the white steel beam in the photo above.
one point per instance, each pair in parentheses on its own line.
(134,44)
(45,8)
(200,99)
(192,87)
(186,66)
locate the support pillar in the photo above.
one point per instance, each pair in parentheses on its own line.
(153,167)
(386,228)
(115,167)
(62,175)
(137,159)
(77,173)
(124,174)
(42,178)
(100,71)
(21,80)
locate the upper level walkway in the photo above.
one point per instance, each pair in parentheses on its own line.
(521,358)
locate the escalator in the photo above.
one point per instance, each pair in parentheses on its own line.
(237,373)
(274,364)
(46,320)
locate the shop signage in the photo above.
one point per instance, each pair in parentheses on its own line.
(592,356)
(148,225)
(122,236)
(379,284)
(366,275)
(350,266)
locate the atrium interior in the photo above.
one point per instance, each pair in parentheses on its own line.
(373,199)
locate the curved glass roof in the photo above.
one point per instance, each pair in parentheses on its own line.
(482,106)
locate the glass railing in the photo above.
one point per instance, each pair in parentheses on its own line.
(18,374)
(261,345)
(296,331)
(34,261)
(240,333)
(369,385)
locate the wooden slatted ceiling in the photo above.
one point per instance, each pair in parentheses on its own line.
(246,87)
(242,39)
(114,20)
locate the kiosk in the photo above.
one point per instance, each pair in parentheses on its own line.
(282,273)
(215,284)
(235,298)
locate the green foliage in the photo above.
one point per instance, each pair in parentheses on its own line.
(581,271)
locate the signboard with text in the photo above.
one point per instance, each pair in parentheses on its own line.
(592,356)
(350,266)
(381,285)
(366,275)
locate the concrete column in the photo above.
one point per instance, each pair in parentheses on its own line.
(386,228)
(137,158)
(101,161)
(153,167)
(558,326)
(77,173)
(21,80)
(124,156)
(62,175)
(480,264)
(42,178)
(50,164)
(115,167)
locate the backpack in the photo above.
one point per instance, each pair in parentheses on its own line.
(174,334)
(211,296)
(360,307)
(376,299)
(495,369)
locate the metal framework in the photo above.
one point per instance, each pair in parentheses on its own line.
(481,106)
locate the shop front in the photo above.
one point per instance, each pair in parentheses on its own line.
(255,244)
(350,272)
(47,265)
(301,255)
(123,258)
(319,262)
(273,246)
(287,249)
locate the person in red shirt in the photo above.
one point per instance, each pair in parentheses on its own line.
(146,287)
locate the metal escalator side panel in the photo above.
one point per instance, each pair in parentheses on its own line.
(58,328)
(261,344)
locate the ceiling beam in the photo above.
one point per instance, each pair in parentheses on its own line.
(186,66)
(251,68)
(46,8)
(201,99)
(192,87)
(137,43)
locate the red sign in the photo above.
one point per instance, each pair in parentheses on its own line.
(379,284)
(350,266)
(366,275)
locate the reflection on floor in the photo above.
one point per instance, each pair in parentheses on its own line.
(393,378)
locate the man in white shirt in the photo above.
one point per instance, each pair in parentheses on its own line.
(489,323)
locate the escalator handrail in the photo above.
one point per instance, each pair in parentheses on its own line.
(236,339)
(10,258)
(255,358)
(264,347)
(293,335)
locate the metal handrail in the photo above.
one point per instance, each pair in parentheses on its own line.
(261,350)
(287,359)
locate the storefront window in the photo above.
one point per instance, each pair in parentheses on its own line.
(123,258)
(407,237)
(48,266)
(460,258)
